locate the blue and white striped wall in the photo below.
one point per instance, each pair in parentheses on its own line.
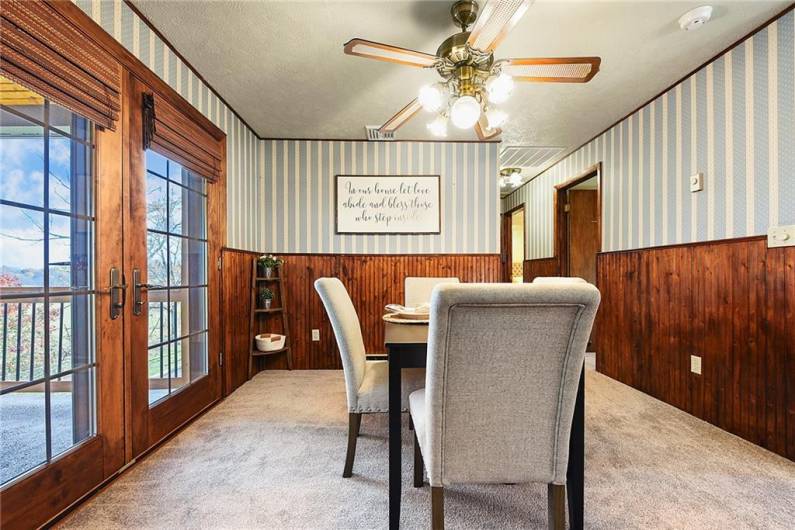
(733,120)
(133,33)
(278,191)
(296,195)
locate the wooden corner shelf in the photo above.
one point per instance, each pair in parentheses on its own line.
(259,317)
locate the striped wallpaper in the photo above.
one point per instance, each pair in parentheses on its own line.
(296,195)
(125,26)
(733,120)
(279,197)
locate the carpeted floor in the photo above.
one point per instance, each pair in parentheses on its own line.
(271,456)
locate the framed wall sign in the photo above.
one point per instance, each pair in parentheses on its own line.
(388,204)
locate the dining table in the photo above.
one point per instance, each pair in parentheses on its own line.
(407,347)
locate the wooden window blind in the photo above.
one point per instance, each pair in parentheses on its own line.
(48,53)
(181,139)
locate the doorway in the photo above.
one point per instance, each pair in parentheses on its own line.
(578,234)
(513,245)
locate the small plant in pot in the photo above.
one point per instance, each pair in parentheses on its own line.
(268,263)
(265,298)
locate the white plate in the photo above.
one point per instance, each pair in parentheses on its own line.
(395,318)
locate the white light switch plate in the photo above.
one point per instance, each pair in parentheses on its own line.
(695,364)
(697,182)
(781,236)
(315,335)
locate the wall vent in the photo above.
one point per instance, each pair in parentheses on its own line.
(374,134)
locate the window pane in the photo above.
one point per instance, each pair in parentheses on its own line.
(156,163)
(21,160)
(23,320)
(157,259)
(175,217)
(70,180)
(22,247)
(175,265)
(196,309)
(155,203)
(22,99)
(23,442)
(196,218)
(71,409)
(174,326)
(71,324)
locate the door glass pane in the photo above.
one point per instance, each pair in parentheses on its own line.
(47,361)
(177,262)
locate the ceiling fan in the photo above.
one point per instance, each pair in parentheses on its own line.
(474,83)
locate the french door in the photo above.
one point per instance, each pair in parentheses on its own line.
(61,401)
(173,242)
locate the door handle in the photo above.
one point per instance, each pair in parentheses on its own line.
(117,291)
(138,289)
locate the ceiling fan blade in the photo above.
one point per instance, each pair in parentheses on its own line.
(495,22)
(553,70)
(402,116)
(483,131)
(390,54)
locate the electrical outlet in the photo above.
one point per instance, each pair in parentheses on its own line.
(781,236)
(315,335)
(695,364)
(696,182)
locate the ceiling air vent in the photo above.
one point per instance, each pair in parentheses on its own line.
(374,134)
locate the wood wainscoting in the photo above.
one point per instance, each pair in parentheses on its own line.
(534,268)
(730,302)
(372,280)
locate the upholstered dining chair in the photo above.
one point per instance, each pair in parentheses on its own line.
(366,381)
(503,369)
(418,289)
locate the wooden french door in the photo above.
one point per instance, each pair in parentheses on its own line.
(172,235)
(61,385)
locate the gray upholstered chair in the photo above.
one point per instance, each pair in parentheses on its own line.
(366,381)
(503,369)
(418,289)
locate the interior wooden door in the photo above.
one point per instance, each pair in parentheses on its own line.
(62,430)
(583,233)
(174,234)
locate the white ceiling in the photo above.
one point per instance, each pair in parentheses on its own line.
(281,65)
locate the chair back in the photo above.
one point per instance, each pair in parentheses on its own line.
(504,363)
(418,289)
(347,331)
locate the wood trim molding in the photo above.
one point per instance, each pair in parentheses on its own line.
(560,228)
(645,103)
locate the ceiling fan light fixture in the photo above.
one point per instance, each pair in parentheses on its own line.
(496,118)
(438,127)
(499,87)
(465,112)
(432,97)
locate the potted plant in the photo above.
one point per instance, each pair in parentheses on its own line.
(265,298)
(267,263)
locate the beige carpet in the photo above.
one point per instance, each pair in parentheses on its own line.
(271,456)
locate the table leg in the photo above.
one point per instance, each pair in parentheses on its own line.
(575,475)
(395,465)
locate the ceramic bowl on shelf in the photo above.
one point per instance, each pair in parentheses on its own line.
(270,341)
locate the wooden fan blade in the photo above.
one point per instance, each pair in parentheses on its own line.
(403,115)
(483,131)
(495,22)
(553,70)
(390,54)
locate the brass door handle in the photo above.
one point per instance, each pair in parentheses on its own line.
(117,291)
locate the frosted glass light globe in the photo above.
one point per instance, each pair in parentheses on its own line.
(499,88)
(465,112)
(438,127)
(496,118)
(432,97)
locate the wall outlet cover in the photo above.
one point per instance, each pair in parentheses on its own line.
(695,364)
(315,335)
(696,182)
(781,236)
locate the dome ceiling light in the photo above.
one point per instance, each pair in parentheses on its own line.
(473,83)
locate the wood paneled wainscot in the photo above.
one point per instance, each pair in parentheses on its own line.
(730,302)
(533,268)
(372,280)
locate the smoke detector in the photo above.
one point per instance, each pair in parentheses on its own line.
(695,18)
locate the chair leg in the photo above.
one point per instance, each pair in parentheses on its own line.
(437,508)
(556,506)
(418,464)
(354,422)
